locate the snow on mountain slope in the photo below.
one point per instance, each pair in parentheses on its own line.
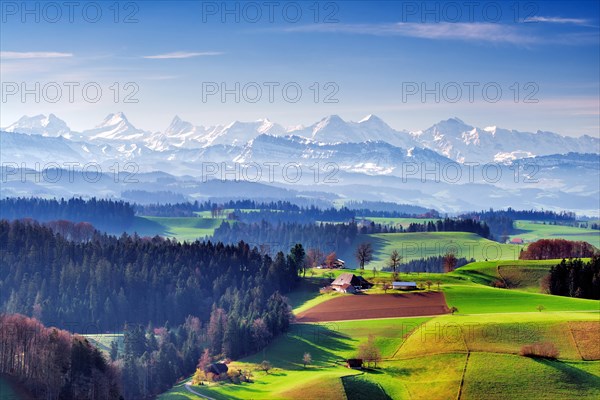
(115,127)
(40,124)
(31,149)
(239,133)
(451,138)
(179,134)
(333,129)
(371,157)
(465,143)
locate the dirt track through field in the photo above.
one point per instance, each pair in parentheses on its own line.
(376,306)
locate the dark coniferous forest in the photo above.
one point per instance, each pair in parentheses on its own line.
(105,215)
(202,294)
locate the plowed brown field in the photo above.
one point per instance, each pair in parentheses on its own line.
(362,306)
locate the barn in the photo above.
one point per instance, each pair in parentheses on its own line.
(354,363)
(217,368)
(345,280)
(346,288)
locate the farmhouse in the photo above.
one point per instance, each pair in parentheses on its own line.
(344,281)
(404,285)
(517,241)
(217,368)
(354,363)
(347,288)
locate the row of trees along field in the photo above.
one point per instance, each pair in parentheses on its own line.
(451,225)
(433,264)
(304,215)
(189,209)
(529,215)
(502,222)
(106,215)
(387,209)
(368,208)
(53,363)
(326,237)
(575,278)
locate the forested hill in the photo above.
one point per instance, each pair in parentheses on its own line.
(106,215)
(108,281)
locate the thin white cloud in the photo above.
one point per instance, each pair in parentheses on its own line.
(473,31)
(558,20)
(15,55)
(182,54)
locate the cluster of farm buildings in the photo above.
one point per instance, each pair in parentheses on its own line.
(350,283)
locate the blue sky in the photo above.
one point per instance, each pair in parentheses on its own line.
(370,54)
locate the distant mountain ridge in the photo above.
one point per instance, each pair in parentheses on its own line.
(451,138)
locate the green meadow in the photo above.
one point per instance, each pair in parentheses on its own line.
(531,231)
(180,228)
(414,246)
(104,340)
(472,354)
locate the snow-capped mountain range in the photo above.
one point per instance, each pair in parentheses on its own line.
(361,160)
(451,138)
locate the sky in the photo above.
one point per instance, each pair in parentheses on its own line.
(532,65)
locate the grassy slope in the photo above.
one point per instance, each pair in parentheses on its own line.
(103,340)
(425,357)
(181,228)
(482,299)
(532,231)
(497,333)
(526,378)
(329,344)
(419,245)
(307,294)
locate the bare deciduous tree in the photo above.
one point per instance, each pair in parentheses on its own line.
(364,254)
(369,352)
(306,359)
(449,262)
(265,366)
(395,260)
(386,287)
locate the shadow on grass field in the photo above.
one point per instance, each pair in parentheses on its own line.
(529,378)
(360,387)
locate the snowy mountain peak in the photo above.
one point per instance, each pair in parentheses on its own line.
(374,122)
(329,124)
(372,119)
(452,138)
(40,124)
(115,127)
(113,119)
(452,127)
(178,127)
(333,119)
